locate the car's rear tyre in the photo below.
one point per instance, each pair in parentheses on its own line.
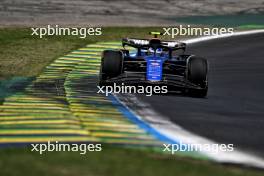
(111,65)
(196,72)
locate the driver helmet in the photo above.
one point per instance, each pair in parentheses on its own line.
(158,51)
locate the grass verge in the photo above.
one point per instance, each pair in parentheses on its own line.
(111,161)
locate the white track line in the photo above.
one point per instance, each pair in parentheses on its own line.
(175,132)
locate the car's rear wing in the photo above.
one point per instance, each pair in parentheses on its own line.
(145,43)
(136,43)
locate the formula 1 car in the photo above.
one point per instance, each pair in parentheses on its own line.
(158,62)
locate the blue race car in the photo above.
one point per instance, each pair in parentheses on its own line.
(155,62)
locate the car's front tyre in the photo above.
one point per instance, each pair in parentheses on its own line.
(111,65)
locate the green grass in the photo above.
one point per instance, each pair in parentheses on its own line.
(252,26)
(114,161)
(23,56)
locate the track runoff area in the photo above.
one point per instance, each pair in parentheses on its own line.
(62,104)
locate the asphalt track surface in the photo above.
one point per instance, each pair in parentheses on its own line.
(233,111)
